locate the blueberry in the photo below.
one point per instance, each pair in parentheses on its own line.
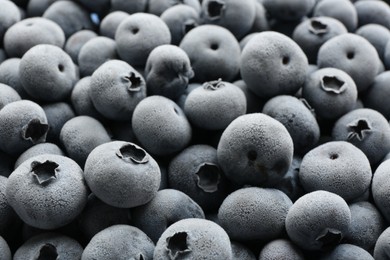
(182,99)
(347,251)
(260,23)
(138,34)
(254,213)
(382,246)
(354,55)
(9,15)
(119,242)
(94,53)
(196,172)
(38,149)
(47,191)
(276,61)
(243,42)
(207,46)
(111,22)
(378,94)
(380,188)
(288,10)
(171,205)
(49,246)
(377,35)
(215,105)
(7,95)
(242,252)
(318,220)
(22,124)
(98,215)
(224,12)
(69,15)
(373,12)
(345,12)
(367,129)
(30,32)
(130,7)
(367,224)
(157,7)
(255,149)
(168,71)
(180,19)
(310,34)
(79,141)
(76,41)
(57,115)
(115,90)
(9,75)
(298,120)
(113,173)
(5,252)
(193,239)
(279,249)
(47,73)
(161,126)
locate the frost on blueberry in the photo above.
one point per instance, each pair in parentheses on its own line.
(359,129)
(47,252)
(317,27)
(177,245)
(209,176)
(333,84)
(215,9)
(131,152)
(330,238)
(134,82)
(35,131)
(44,172)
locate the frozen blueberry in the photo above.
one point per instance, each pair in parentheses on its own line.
(57,115)
(207,46)
(23,123)
(196,172)
(171,205)
(7,214)
(79,141)
(260,23)
(38,149)
(242,252)
(373,12)
(255,149)
(330,92)
(318,220)
(347,251)
(5,252)
(354,55)
(279,249)
(157,7)
(69,15)
(382,246)
(7,95)
(378,94)
(345,12)
(122,174)
(98,215)
(9,15)
(47,73)
(380,188)
(367,129)
(9,75)
(310,34)
(161,126)
(168,71)
(180,19)
(76,41)
(193,239)
(37,7)
(298,120)
(254,213)
(288,10)
(377,35)
(119,242)
(138,34)
(110,22)
(29,32)
(115,90)
(246,39)
(366,225)
(49,246)
(130,7)
(47,191)
(94,53)
(276,61)
(215,105)
(182,99)
(236,16)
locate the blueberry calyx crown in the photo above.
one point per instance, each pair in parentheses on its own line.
(213,85)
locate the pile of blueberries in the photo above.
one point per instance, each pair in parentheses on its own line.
(194,129)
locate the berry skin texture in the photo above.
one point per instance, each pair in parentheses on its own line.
(9,14)
(382,246)
(377,96)
(193,239)
(7,95)
(161,126)
(76,41)
(279,249)
(276,61)
(318,220)
(110,23)
(215,105)
(255,149)
(347,251)
(38,149)
(122,174)
(380,188)
(254,213)
(47,191)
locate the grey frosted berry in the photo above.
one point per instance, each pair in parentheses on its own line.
(9,14)
(5,251)
(76,41)
(279,249)
(111,21)
(380,188)
(157,7)
(38,149)
(347,251)
(378,94)
(7,95)
(57,115)
(9,75)
(382,246)
(242,252)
